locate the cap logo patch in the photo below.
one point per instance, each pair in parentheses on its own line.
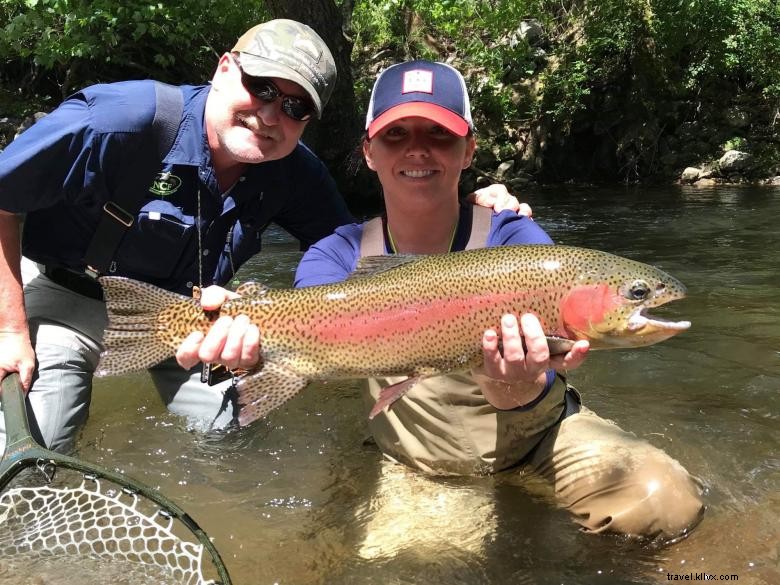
(417,80)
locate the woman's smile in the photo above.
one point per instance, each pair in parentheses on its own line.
(417,173)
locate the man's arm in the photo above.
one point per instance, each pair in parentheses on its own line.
(313,206)
(499,198)
(16,352)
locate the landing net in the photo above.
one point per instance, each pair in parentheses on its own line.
(100,523)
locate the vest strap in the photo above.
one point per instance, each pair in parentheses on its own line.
(119,214)
(372,242)
(481,218)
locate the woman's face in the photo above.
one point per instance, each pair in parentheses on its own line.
(418,157)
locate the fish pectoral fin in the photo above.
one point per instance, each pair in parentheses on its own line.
(392,393)
(262,391)
(559,345)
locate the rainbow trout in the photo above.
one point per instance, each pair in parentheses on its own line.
(415,316)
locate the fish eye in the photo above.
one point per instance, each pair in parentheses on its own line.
(638,291)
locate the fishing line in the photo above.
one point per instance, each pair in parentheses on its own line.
(200,245)
(212,374)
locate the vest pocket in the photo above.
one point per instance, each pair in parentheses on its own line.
(160,244)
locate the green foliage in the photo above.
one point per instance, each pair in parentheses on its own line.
(599,45)
(736,143)
(678,46)
(66,44)
(753,49)
(476,34)
(623,72)
(600,61)
(710,39)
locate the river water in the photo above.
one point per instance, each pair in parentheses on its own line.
(301,498)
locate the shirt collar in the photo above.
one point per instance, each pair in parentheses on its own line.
(191,144)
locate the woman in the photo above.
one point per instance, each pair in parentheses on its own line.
(513,411)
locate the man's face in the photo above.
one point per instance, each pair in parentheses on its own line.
(243,128)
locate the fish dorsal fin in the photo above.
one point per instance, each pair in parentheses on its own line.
(371,265)
(251,288)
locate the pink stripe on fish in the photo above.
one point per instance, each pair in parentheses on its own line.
(414,318)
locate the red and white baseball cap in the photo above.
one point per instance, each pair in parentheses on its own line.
(435,91)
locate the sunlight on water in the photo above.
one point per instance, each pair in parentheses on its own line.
(64,570)
(301,498)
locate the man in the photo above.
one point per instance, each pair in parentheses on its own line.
(235,165)
(119,180)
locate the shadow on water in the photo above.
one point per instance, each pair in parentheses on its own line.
(301,498)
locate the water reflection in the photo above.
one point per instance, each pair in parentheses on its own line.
(292,500)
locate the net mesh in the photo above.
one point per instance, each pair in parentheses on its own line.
(102,523)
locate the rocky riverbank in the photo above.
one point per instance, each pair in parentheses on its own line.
(634,131)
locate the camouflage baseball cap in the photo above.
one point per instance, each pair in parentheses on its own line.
(289,50)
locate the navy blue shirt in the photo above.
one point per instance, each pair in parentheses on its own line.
(62,170)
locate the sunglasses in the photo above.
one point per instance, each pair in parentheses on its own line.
(296,107)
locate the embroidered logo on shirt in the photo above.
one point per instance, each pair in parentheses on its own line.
(165,184)
(418,80)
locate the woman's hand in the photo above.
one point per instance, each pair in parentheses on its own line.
(516,374)
(232,341)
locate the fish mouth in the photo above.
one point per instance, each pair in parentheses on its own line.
(640,320)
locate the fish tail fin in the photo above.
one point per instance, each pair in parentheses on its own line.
(131,340)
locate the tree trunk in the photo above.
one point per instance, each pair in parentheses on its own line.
(336,136)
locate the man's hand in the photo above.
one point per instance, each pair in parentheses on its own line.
(516,375)
(16,352)
(17,355)
(497,197)
(231,341)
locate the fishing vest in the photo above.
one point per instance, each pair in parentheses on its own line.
(444,425)
(372,242)
(120,212)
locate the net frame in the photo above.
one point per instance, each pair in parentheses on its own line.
(130,505)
